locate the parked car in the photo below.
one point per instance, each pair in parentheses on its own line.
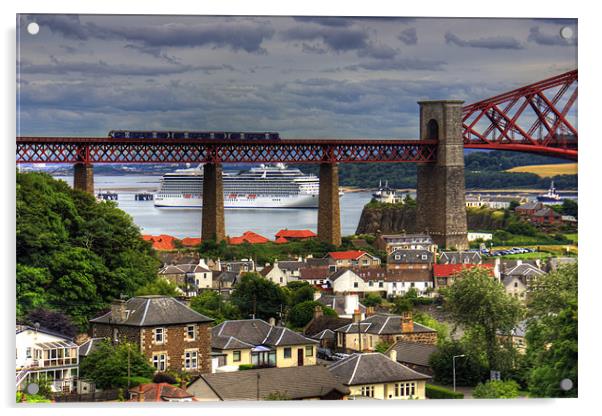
(325,353)
(339,356)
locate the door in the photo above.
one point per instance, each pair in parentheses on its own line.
(300,357)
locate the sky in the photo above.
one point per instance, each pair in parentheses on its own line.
(305,77)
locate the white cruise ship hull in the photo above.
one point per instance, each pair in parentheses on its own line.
(242,201)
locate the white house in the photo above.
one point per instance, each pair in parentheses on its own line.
(348,281)
(197,276)
(43,353)
(277,274)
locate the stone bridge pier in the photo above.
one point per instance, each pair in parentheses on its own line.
(212,222)
(83,177)
(329,212)
(440,189)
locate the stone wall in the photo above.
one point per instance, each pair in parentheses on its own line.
(83,177)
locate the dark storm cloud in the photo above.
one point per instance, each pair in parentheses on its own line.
(377,51)
(551,38)
(337,39)
(408,36)
(400,64)
(499,42)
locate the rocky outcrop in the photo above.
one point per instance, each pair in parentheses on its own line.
(387,220)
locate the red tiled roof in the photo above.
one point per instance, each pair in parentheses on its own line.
(157,392)
(346,255)
(281,240)
(296,234)
(161,242)
(312,273)
(445,270)
(248,237)
(191,242)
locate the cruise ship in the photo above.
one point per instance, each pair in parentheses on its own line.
(266,186)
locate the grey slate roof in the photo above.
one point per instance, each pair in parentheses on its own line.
(291,266)
(408,238)
(372,368)
(402,256)
(529,206)
(413,352)
(238,266)
(295,382)
(154,310)
(523,270)
(20,328)
(252,332)
(317,262)
(89,346)
(183,268)
(460,257)
(226,277)
(325,334)
(382,324)
(324,322)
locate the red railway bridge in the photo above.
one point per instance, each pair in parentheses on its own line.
(525,120)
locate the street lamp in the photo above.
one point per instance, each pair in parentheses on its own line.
(454,367)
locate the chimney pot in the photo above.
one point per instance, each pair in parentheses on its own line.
(357,316)
(318,312)
(393,354)
(118,310)
(272,321)
(407,323)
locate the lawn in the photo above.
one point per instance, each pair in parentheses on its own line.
(573,237)
(546,171)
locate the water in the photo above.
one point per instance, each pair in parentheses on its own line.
(186,222)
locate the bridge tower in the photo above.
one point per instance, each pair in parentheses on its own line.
(329,212)
(83,177)
(212,222)
(441,206)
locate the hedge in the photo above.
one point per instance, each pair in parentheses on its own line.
(134,381)
(243,367)
(436,392)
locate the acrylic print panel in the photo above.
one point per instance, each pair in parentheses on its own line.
(277,208)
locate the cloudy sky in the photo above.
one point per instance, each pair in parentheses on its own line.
(301,76)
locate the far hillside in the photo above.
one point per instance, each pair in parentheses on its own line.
(547,171)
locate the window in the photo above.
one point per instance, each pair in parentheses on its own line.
(158,335)
(236,356)
(394,284)
(515,284)
(397,257)
(191,332)
(355,285)
(367,391)
(159,361)
(28,352)
(309,351)
(412,284)
(380,284)
(370,283)
(190,360)
(287,352)
(365,262)
(424,257)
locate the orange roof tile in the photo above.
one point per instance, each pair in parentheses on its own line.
(445,270)
(346,255)
(281,240)
(191,242)
(161,242)
(296,234)
(248,237)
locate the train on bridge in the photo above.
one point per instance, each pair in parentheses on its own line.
(206,135)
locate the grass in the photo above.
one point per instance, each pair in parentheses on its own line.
(573,237)
(546,171)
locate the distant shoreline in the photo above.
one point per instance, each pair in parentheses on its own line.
(351,189)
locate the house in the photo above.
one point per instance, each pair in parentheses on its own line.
(159,392)
(292,268)
(414,355)
(399,282)
(275,274)
(380,280)
(546,216)
(294,235)
(192,276)
(44,353)
(391,242)
(493,202)
(238,266)
(517,337)
(316,276)
(345,305)
(528,209)
(460,257)
(224,281)
(170,334)
(261,344)
(404,259)
(382,328)
(517,279)
(445,274)
(248,237)
(353,258)
(293,383)
(474,236)
(376,376)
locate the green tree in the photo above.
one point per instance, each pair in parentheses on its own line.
(212,304)
(496,389)
(302,294)
(303,312)
(255,295)
(107,365)
(372,299)
(469,370)
(429,321)
(570,207)
(383,346)
(480,303)
(159,286)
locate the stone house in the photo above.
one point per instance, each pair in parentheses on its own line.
(170,334)
(374,375)
(546,216)
(261,344)
(404,259)
(366,334)
(353,258)
(460,257)
(444,275)
(517,279)
(192,276)
(391,242)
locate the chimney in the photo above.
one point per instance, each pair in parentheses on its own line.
(351,303)
(393,354)
(369,310)
(317,295)
(272,321)
(318,312)
(357,316)
(118,310)
(203,263)
(407,323)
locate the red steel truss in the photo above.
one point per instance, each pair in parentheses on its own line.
(532,118)
(107,150)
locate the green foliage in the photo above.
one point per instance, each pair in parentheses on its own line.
(107,365)
(302,294)
(372,299)
(31,398)
(497,389)
(212,304)
(255,295)
(159,286)
(73,253)
(383,346)
(437,392)
(243,367)
(469,370)
(552,334)
(401,305)
(428,320)
(122,381)
(480,303)
(570,207)
(303,312)
(277,396)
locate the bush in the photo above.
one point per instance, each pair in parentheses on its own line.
(164,378)
(496,389)
(303,312)
(372,299)
(122,381)
(436,392)
(243,367)
(469,371)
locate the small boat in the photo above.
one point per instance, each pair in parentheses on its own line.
(550,196)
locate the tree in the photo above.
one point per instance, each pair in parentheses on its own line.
(302,294)
(159,286)
(257,296)
(429,321)
(469,370)
(107,365)
(303,312)
(480,303)
(211,303)
(570,207)
(383,346)
(372,299)
(52,320)
(496,389)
